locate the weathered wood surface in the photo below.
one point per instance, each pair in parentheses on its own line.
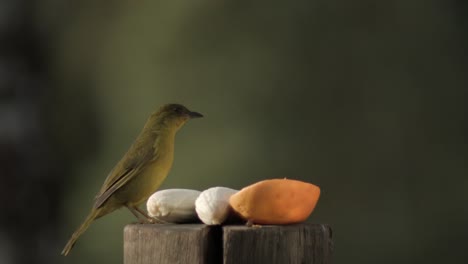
(196,243)
(172,244)
(301,243)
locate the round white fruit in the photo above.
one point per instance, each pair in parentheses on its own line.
(173,205)
(212,205)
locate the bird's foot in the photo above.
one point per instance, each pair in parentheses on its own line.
(145,221)
(154,220)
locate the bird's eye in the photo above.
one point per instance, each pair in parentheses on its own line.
(178,110)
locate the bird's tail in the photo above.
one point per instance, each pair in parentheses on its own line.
(92,215)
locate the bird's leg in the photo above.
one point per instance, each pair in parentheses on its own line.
(143,213)
(150,219)
(135,213)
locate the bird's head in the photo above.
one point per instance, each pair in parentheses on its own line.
(172,116)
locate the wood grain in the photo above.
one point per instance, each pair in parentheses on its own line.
(197,243)
(301,243)
(172,244)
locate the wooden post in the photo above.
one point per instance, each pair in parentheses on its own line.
(196,243)
(301,243)
(172,244)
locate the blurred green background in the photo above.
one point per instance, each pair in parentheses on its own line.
(365,99)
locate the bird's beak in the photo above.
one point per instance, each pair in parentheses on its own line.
(195,115)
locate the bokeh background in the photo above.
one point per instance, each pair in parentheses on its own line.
(366,99)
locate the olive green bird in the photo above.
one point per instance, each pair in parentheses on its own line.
(141,170)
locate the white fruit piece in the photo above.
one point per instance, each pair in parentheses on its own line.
(173,205)
(212,205)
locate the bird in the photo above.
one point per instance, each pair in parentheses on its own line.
(142,169)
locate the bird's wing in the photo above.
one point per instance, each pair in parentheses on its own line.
(137,158)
